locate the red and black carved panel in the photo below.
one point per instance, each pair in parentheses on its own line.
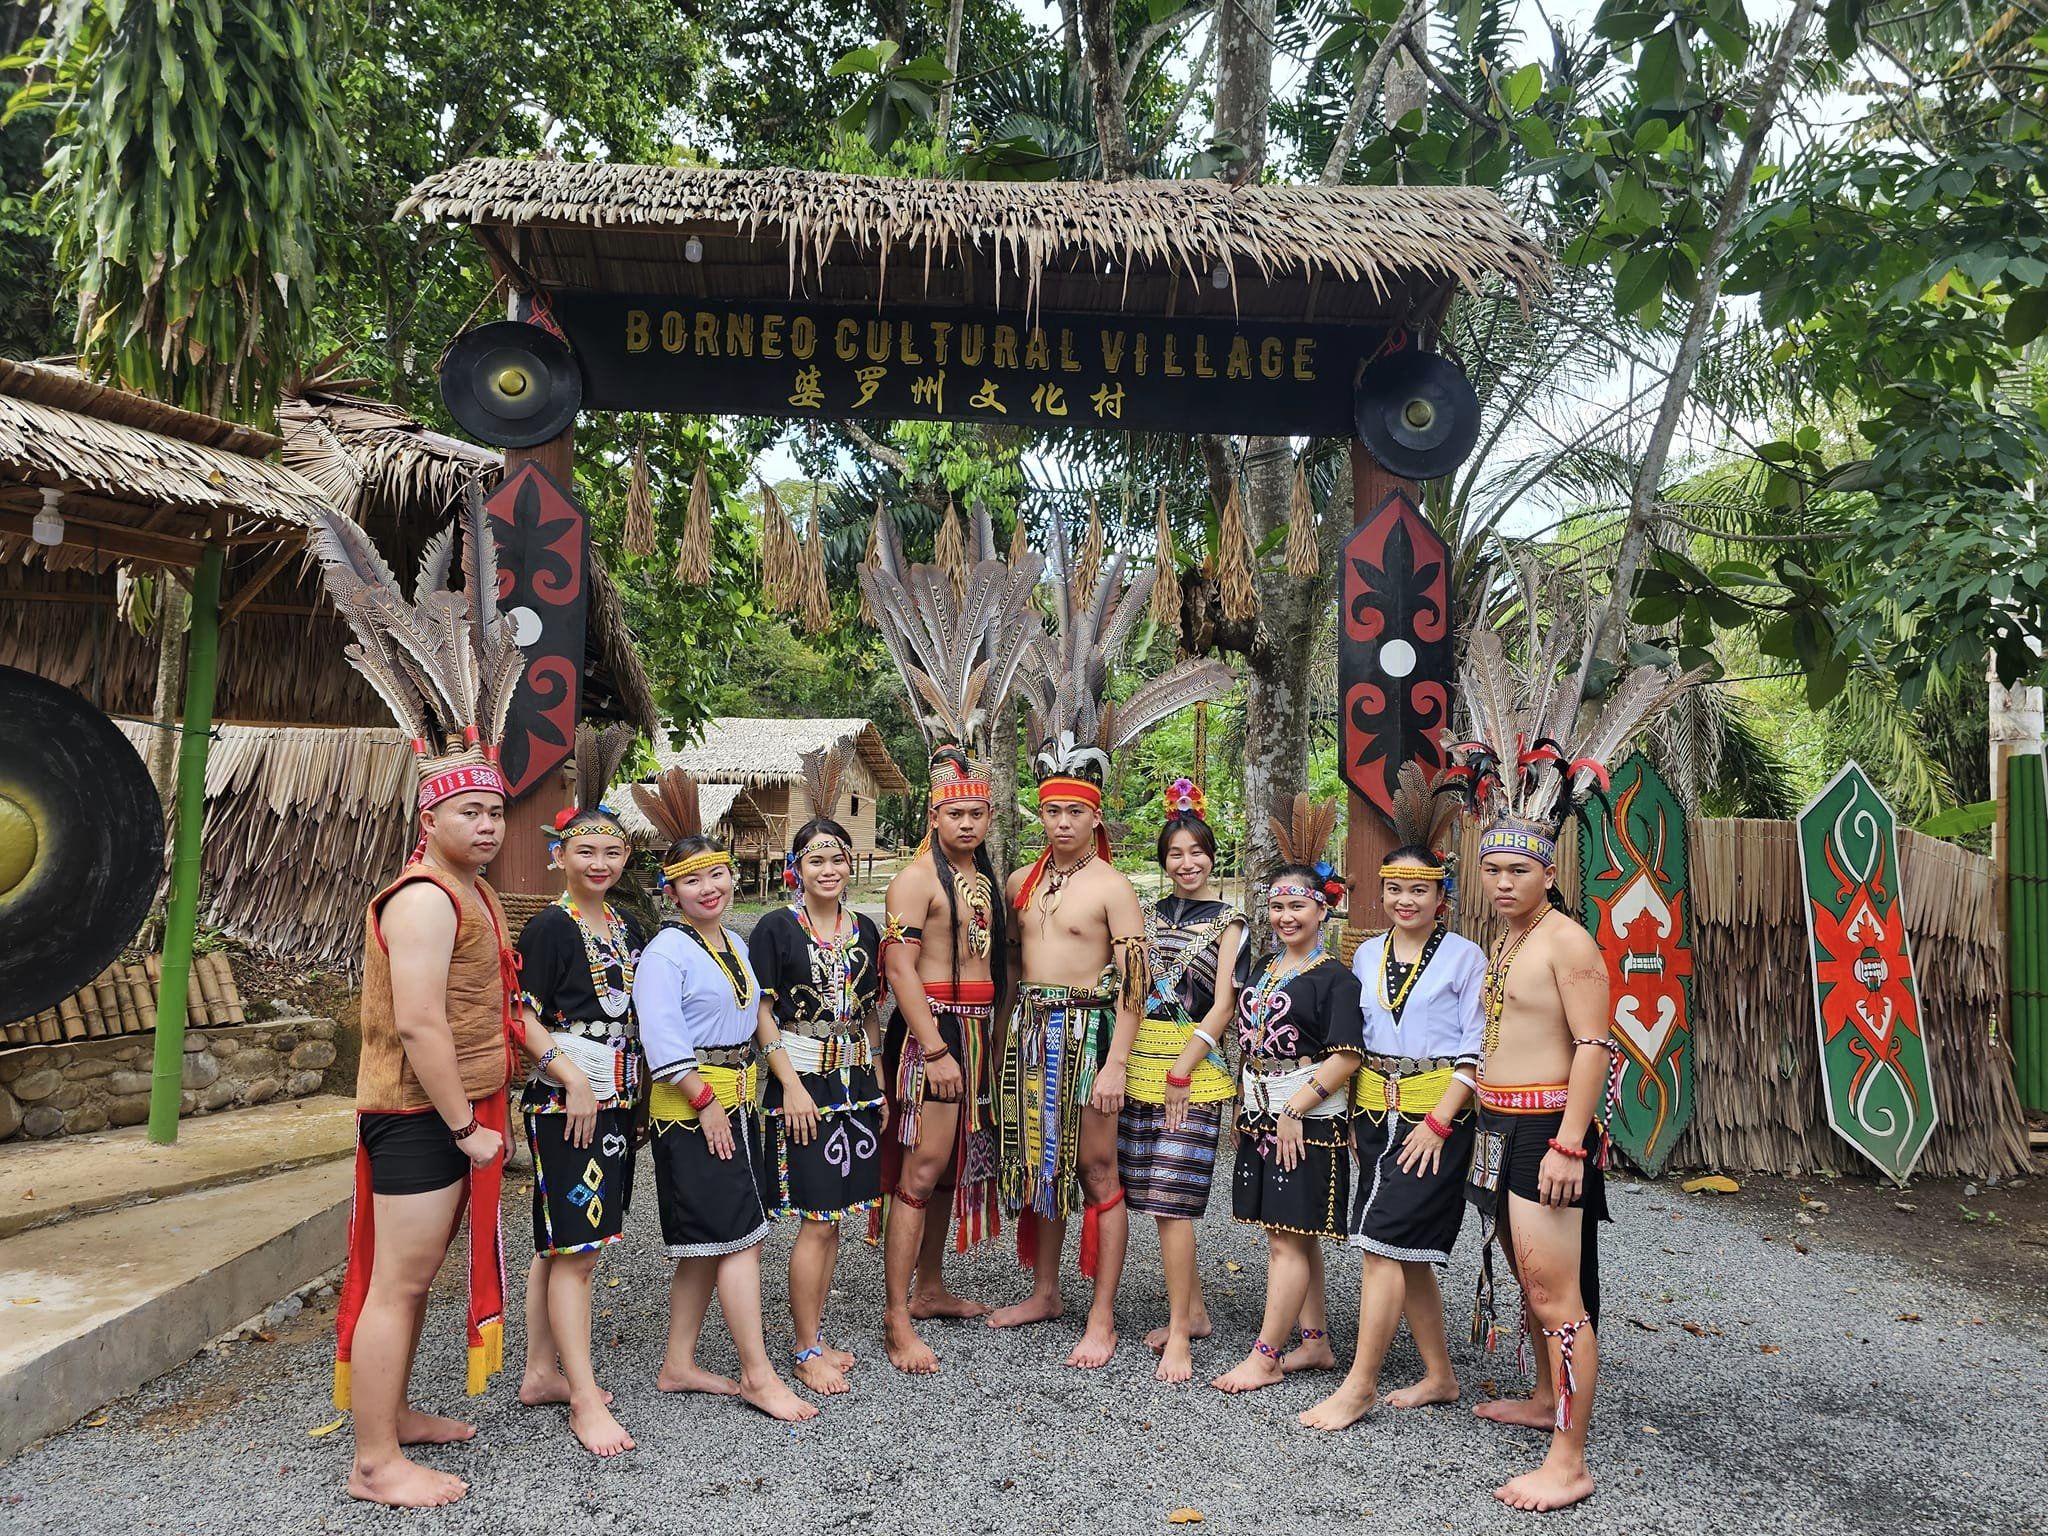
(1394,652)
(544,588)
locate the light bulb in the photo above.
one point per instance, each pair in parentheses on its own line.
(48,527)
(693,249)
(1219,275)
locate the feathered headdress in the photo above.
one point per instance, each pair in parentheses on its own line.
(1303,837)
(1537,750)
(444,663)
(671,803)
(824,773)
(1074,722)
(596,763)
(1423,810)
(958,640)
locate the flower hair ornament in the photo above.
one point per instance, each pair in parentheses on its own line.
(1184,798)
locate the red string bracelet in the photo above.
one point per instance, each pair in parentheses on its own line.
(703,1100)
(1576,1154)
(1175,1080)
(1437,1128)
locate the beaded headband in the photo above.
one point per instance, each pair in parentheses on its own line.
(470,771)
(590,823)
(1296,888)
(824,842)
(1506,839)
(703,859)
(1413,872)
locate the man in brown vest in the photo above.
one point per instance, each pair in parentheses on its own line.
(439,1014)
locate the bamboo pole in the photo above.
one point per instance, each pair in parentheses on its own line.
(181,917)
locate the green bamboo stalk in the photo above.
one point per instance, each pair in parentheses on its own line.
(181,916)
(2027,913)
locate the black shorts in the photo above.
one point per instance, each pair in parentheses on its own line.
(1507,1157)
(410,1154)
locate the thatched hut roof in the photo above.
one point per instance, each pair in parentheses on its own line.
(714,805)
(754,753)
(142,480)
(382,466)
(1297,252)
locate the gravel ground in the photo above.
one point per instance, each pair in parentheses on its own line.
(1762,1373)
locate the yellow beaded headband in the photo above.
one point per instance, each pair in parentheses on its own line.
(1412,872)
(703,859)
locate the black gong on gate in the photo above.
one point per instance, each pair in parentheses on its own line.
(511,384)
(1417,413)
(81,843)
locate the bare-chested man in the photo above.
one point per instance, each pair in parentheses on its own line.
(1080,938)
(1547,1046)
(944,950)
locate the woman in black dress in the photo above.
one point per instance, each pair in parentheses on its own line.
(1300,1039)
(820,973)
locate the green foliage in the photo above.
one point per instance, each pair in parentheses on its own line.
(190,148)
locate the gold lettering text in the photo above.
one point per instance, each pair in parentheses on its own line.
(1240,364)
(636,330)
(1305,359)
(846,340)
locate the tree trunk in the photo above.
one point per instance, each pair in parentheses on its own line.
(1244,80)
(953,15)
(1070,33)
(1098,45)
(1407,86)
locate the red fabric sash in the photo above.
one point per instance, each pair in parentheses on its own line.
(1091,1235)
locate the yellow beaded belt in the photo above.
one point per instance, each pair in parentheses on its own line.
(736,1088)
(1418,1083)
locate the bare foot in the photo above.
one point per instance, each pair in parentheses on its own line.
(843,1358)
(537,1388)
(694,1378)
(1309,1355)
(908,1352)
(946,1304)
(1098,1343)
(1032,1309)
(417,1428)
(1424,1392)
(404,1485)
(601,1434)
(1254,1372)
(774,1398)
(1341,1409)
(1547,1487)
(1526,1411)
(821,1376)
(1156,1339)
(1176,1361)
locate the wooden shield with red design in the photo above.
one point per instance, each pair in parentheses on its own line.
(1394,656)
(544,588)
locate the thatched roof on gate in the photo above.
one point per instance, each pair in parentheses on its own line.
(381,465)
(152,479)
(1296,252)
(756,753)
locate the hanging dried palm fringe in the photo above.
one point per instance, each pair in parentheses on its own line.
(1304,554)
(816,597)
(1234,562)
(693,555)
(780,557)
(640,536)
(1091,547)
(1166,588)
(949,549)
(871,560)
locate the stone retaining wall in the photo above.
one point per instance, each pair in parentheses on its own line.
(88,1085)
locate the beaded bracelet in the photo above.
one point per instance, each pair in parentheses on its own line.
(1436,1127)
(468,1130)
(1175,1080)
(703,1100)
(1290,1111)
(1576,1154)
(540,1067)
(1319,1090)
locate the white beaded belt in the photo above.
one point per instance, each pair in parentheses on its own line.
(832,1054)
(1265,1092)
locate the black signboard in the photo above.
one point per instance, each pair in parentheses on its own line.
(1098,371)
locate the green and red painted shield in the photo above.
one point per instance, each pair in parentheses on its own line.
(1873,1058)
(1633,872)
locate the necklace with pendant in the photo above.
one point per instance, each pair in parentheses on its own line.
(1494,995)
(1055,882)
(601,954)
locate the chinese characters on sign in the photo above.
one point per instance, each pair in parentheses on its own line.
(1047,370)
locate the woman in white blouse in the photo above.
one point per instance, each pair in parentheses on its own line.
(1420,991)
(699,1006)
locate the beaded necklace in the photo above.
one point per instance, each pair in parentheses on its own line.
(836,950)
(729,965)
(602,954)
(1495,993)
(1048,896)
(1393,996)
(1266,991)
